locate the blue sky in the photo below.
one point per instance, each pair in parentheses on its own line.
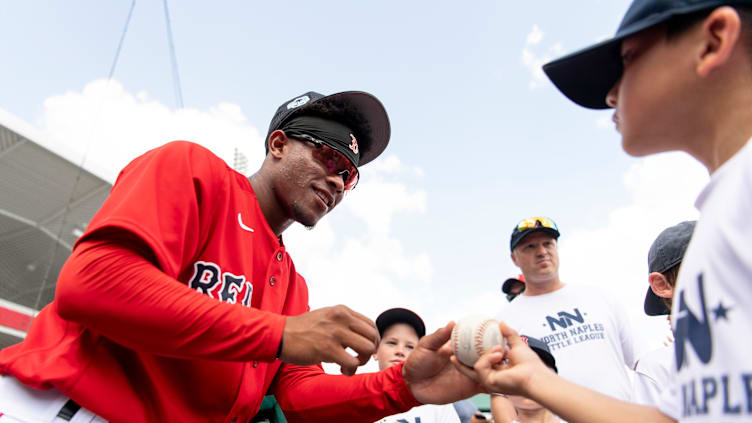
(480,139)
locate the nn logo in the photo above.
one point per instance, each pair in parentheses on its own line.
(564,319)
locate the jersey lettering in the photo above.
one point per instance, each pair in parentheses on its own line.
(229,288)
(565,319)
(692,329)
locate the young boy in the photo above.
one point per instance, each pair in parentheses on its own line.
(653,370)
(679,74)
(529,411)
(400,331)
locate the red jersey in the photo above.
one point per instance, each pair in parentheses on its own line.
(172,307)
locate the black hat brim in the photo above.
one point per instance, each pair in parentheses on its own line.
(400,315)
(506,287)
(586,76)
(654,305)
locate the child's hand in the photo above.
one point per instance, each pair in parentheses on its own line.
(506,372)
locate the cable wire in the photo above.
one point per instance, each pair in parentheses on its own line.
(64,218)
(173,59)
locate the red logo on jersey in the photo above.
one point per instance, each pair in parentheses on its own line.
(354,144)
(229,288)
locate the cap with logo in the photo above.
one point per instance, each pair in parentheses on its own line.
(359,111)
(400,315)
(586,76)
(666,252)
(541,348)
(530,225)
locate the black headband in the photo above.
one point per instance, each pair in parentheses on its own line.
(331,133)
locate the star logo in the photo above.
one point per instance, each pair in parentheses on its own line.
(720,312)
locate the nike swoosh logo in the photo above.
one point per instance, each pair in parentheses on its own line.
(243,226)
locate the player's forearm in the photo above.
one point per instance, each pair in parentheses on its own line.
(577,404)
(116,292)
(307,394)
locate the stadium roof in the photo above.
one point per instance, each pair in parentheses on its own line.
(46,204)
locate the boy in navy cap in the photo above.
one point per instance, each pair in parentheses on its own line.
(652,371)
(678,74)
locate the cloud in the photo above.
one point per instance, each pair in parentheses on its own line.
(533,60)
(613,256)
(105,127)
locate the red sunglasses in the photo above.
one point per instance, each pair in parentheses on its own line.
(335,162)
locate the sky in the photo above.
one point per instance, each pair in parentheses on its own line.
(480,138)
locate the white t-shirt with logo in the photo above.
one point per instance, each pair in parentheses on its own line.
(653,375)
(712,308)
(428,413)
(587,332)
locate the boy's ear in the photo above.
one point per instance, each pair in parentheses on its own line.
(660,286)
(720,33)
(514,259)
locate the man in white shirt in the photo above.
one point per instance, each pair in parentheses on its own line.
(585,329)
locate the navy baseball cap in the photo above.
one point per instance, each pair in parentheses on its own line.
(586,76)
(532,224)
(400,315)
(666,252)
(359,111)
(541,348)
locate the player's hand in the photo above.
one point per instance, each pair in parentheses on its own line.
(505,372)
(322,335)
(430,375)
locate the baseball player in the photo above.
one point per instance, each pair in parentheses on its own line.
(400,330)
(678,74)
(181,303)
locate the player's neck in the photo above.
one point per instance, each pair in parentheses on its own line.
(270,207)
(540,288)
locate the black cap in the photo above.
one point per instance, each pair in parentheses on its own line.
(518,234)
(586,76)
(541,348)
(666,252)
(360,111)
(506,287)
(400,315)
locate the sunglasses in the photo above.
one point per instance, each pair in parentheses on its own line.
(335,162)
(536,222)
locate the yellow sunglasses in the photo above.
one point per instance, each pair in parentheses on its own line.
(536,222)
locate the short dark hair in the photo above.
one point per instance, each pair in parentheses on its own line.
(680,23)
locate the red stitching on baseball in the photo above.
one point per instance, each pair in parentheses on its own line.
(479,336)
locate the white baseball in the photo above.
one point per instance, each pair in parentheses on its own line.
(474,335)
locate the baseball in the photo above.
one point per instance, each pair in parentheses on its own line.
(474,335)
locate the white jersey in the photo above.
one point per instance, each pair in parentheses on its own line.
(652,375)
(587,332)
(712,309)
(428,413)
